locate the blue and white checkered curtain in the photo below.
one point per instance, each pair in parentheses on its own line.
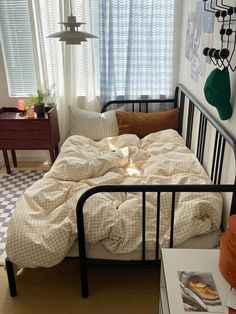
(136,48)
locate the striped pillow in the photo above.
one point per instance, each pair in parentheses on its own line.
(93,125)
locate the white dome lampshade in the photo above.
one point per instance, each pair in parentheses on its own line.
(72,36)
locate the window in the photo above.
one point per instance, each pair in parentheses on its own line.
(132,57)
(136,48)
(16,40)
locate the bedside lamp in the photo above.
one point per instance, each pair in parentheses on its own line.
(21,105)
(227,260)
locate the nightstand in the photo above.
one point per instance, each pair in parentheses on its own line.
(17,132)
(190,261)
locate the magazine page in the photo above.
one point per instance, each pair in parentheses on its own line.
(199,292)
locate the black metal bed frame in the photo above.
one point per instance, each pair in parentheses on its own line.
(221,138)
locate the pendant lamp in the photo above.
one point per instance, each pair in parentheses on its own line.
(72,36)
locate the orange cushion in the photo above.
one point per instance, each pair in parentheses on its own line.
(142,124)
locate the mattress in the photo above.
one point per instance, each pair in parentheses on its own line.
(99,251)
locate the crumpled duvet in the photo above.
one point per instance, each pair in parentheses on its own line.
(43,227)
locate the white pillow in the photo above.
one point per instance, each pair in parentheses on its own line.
(93,125)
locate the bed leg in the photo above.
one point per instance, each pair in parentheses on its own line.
(11,277)
(84,278)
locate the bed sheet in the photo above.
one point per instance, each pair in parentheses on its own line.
(210,240)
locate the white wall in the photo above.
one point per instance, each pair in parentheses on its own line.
(178,16)
(196,88)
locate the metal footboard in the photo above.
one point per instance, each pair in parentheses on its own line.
(143,189)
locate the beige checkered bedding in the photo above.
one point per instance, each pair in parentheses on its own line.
(43,227)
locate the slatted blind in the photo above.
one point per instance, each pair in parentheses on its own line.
(16,42)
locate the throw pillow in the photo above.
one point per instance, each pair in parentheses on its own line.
(93,125)
(142,124)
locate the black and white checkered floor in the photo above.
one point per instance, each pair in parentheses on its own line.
(11,188)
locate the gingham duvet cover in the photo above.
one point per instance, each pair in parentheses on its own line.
(43,227)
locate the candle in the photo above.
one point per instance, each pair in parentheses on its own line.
(30,112)
(21,104)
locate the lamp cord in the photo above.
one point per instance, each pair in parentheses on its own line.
(71,8)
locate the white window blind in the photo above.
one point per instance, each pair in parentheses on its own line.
(16,41)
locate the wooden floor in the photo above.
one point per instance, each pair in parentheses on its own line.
(57,290)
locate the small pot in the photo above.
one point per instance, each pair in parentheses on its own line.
(39,110)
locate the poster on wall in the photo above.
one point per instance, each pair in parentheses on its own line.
(200,26)
(189,36)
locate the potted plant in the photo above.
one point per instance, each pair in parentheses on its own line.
(38,101)
(29,110)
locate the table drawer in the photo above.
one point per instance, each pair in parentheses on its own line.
(17,132)
(15,144)
(24,125)
(24,134)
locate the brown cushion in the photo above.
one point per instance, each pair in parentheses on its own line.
(142,124)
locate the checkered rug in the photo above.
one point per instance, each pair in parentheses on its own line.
(11,188)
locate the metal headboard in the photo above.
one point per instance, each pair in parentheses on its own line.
(222,136)
(139,104)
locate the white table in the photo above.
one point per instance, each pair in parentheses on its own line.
(189,260)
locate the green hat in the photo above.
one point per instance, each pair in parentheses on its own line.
(217,92)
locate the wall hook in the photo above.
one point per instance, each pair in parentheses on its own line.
(226,15)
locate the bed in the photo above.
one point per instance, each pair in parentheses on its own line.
(133,196)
